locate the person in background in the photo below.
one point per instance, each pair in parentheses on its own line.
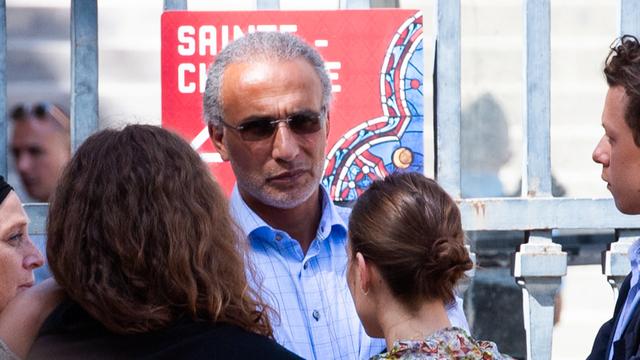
(267,105)
(406,254)
(141,240)
(618,151)
(40,147)
(23,307)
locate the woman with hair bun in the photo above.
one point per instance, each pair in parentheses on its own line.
(407,253)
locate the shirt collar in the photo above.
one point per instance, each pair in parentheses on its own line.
(246,218)
(331,220)
(634,258)
(249,221)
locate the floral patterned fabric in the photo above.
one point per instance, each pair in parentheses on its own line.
(449,343)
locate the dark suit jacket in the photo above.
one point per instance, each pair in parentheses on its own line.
(628,345)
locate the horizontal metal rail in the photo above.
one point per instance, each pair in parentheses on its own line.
(542,213)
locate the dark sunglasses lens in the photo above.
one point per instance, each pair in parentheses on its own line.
(257,130)
(39,110)
(18,112)
(21,111)
(304,123)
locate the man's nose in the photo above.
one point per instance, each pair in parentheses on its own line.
(33,258)
(601,152)
(23,163)
(285,143)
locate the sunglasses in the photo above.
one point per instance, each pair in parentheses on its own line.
(301,123)
(41,111)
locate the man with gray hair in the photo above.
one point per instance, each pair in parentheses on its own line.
(267,104)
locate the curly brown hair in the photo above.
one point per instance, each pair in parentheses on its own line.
(140,235)
(622,68)
(410,229)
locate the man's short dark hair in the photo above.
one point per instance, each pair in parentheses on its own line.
(622,68)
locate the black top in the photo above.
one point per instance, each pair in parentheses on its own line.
(71,333)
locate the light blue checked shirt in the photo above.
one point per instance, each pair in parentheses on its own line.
(309,291)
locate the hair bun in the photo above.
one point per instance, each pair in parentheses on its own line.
(448,259)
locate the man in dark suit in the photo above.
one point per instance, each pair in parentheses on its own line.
(619,154)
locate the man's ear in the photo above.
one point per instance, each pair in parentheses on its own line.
(364,270)
(216,135)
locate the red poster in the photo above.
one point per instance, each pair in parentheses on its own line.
(375,62)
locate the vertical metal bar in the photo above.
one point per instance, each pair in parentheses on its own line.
(538,267)
(4,131)
(539,263)
(37,214)
(268,4)
(536,179)
(629,17)
(175,5)
(84,70)
(447,96)
(384,3)
(355,4)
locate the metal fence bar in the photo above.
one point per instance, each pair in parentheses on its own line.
(447,96)
(4,131)
(542,213)
(629,17)
(538,268)
(384,3)
(536,177)
(268,4)
(539,263)
(84,70)
(354,4)
(38,215)
(175,5)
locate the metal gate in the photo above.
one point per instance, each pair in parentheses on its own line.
(539,263)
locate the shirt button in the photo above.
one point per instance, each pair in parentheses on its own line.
(278,237)
(306,265)
(316,315)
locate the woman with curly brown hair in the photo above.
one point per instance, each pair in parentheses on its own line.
(140,238)
(407,253)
